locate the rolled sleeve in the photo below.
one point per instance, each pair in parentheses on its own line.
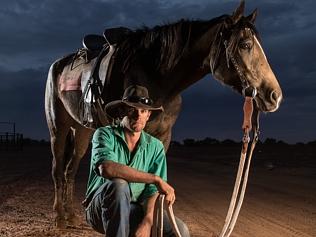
(102,148)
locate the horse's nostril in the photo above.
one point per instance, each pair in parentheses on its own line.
(274,96)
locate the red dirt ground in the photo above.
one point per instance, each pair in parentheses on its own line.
(280,200)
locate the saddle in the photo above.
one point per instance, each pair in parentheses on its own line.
(90,70)
(93,44)
(98,48)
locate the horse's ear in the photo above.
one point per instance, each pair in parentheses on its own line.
(252,16)
(239,12)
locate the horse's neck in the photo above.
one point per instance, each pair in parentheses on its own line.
(195,63)
(180,65)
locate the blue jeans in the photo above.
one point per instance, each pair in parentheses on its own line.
(112,213)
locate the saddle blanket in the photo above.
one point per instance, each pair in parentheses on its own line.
(76,75)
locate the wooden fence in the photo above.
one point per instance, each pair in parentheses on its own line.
(11,141)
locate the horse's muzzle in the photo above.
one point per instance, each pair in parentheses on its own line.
(270,102)
(275,98)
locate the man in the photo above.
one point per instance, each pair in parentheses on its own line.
(128,168)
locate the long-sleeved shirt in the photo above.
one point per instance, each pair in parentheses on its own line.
(109,144)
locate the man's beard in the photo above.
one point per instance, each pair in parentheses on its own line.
(131,125)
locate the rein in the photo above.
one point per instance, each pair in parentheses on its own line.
(157,229)
(250,122)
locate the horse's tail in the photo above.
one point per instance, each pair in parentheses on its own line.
(51,95)
(51,91)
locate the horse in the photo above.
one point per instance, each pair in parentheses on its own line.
(166,59)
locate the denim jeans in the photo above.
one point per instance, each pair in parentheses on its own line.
(112,213)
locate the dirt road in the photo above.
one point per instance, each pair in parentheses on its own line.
(280,200)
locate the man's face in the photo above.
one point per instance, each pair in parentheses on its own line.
(136,119)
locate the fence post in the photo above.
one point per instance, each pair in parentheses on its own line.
(21,142)
(11,141)
(6,141)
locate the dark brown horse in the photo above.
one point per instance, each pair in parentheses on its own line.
(166,59)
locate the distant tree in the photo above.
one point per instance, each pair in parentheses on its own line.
(189,142)
(280,142)
(209,141)
(270,141)
(30,141)
(229,142)
(299,144)
(175,144)
(44,142)
(312,143)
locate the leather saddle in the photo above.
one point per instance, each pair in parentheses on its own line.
(95,43)
(91,103)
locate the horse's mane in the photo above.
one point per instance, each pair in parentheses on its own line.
(164,44)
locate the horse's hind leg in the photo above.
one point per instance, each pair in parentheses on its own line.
(81,142)
(59,134)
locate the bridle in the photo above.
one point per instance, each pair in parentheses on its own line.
(251,122)
(247,90)
(229,47)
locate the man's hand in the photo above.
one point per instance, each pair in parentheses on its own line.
(166,189)
(144,229)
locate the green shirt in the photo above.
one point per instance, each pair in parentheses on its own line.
(108,144)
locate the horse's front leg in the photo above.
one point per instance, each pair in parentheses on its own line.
(82,138)
(58,147)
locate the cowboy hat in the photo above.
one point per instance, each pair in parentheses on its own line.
(135,96)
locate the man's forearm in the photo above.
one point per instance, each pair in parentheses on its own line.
(149,207)
(110,169)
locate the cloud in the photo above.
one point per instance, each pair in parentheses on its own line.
(22,101)
(36,33)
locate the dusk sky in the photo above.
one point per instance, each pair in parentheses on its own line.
(35,33)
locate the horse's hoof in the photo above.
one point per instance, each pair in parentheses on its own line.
(60,223)
(73,220)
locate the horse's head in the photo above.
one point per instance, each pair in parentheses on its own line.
(238,60)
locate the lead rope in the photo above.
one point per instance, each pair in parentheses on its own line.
(157,229)
(251,116)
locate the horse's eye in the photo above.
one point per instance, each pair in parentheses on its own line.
(245,45)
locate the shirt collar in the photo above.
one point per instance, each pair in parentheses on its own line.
(144,137)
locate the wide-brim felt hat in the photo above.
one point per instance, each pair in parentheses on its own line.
(135,96)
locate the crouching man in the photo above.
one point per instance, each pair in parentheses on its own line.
(128,168)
